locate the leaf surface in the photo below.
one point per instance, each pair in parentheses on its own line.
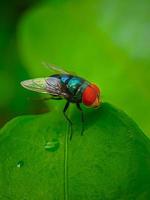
(110,161)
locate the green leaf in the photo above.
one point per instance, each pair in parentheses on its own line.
(110,161)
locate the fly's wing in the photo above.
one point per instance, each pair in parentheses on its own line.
(47,85)
(54,68)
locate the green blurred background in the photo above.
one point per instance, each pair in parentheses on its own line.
(104,41)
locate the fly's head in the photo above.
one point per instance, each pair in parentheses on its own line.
(91,96)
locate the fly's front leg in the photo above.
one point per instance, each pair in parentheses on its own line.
(67,118)
(82,118)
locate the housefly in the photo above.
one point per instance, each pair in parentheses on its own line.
(64,85)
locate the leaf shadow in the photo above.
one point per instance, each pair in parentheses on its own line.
(91,115)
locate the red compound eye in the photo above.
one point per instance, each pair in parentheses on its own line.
(89,95)
(96,88)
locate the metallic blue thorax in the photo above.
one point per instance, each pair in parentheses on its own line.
(72,82)
(72,86)
(75,85)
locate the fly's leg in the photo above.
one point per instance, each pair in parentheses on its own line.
(82,118)
(67,118)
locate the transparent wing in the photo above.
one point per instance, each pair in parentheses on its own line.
(54,68)
(47,85)
(37,85)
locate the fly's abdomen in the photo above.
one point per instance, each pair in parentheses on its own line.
(65,78)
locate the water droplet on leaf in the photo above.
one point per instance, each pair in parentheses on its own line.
(51,145)
(20,163)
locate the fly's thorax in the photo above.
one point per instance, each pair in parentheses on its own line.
(79,91)
(74,85)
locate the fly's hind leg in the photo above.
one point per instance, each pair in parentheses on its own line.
(67,118)
(82,118)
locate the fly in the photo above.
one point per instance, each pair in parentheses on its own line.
(64,85)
